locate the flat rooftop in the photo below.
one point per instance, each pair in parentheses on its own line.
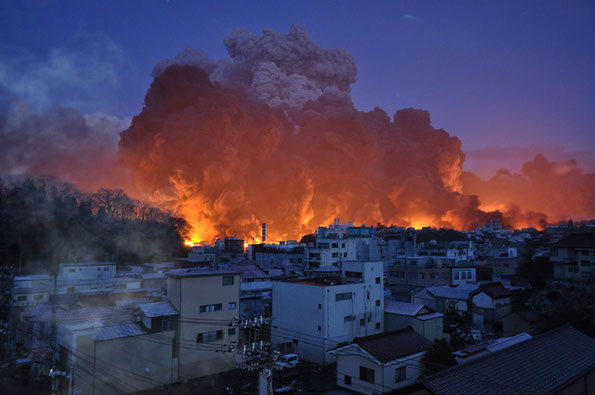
(320,281)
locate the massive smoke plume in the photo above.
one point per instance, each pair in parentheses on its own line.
(271,135)
(62,142)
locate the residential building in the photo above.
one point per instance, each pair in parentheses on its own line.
(557,362)
(381,363)
(442,298)
(338,310)
(491,302)
(469,274)
(117,358)
(573,257)
(208,305)
(400,315)
(523,321)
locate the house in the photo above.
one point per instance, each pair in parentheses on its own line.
(558,361)
(470,274)
(522,321)
(113,358)
(445,297)
(338,309)
(208,304)
(573,257)
(381,363)
(491,302)
(400,315)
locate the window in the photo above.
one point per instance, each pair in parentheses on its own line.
(21,298)
(299,260)
(343,296)
(377,280)
(432,275)
(585,263)
(210,307)
(347,380)
(400,374)
(227,280)
(319,306)
(366,374)
(378,325)
(348,318)
(231,306)
(208,337)
(335,245)
(456,275)
(345,255)
(573,269)
(463,275)
(290,260)
(319,328)
(167,325)
(342,245)
(362,321)
(119,286)
(38,297)
(377,302)
(231,332)
(335,255)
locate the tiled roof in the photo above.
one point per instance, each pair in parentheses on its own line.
(495,291)
(402,308)
(118,331)
(429,316)
(157,309)
(44,313)
(460,291)
(198,272)
(256,286)
(544,364)
(388,346)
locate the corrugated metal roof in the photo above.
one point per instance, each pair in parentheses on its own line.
(118,331)
(256,286)
(158,309)
(402,308)
(544,364)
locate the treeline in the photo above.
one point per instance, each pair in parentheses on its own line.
(44,221)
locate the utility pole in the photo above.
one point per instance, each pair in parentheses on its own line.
(258,356)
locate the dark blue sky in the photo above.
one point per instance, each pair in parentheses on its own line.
(504,73)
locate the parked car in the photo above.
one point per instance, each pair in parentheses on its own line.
(287,361)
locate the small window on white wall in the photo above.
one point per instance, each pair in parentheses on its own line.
(400,374)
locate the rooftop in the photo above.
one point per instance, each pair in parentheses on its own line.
(88,263)
(157,309)
(320,281)
(494,290)
(402,308)
(118,331)
(544,364)
(388,346)
(460,292)
(577,240)
(199,272)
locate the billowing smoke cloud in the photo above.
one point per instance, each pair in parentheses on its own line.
(64,143)
(559,189)
(271,135)
(275,68)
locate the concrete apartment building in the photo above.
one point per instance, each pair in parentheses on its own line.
(573,257)
(208,302)
(338,310)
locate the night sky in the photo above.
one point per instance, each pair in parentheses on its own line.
(514,75)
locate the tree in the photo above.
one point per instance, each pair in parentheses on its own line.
(439,357)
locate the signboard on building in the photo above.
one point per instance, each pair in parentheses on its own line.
(359,231)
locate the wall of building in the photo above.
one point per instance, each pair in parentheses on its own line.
(187,295)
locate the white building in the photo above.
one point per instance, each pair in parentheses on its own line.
(381,363)
(313,315)
(92,277)
(329,252)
